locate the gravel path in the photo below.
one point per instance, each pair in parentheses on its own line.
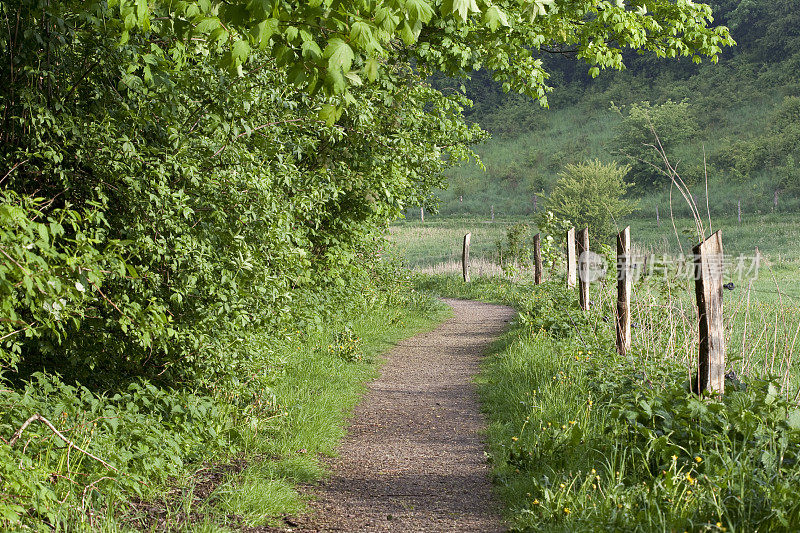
(413,458)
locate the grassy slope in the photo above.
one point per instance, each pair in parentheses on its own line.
(535,144)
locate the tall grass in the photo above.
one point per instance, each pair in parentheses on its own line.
(582,439)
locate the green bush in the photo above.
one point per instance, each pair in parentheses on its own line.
(591,194)
(517,247)
(149,217)
(643,128)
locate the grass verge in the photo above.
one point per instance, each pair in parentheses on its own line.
(323,378)
(582,439)
(226,456)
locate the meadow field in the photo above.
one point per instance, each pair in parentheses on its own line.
(435,246)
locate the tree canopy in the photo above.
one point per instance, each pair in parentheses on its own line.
(333,46)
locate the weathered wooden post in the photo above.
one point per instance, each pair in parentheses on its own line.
(624,291)
(583,268)
(658,218)
(537,259)
(421,214)
(708,271)
(465,257)
(571,257)
(492,212)
(739,210)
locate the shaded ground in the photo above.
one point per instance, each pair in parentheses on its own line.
(413,459)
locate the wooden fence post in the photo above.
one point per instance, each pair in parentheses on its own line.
(583,268)
(537,259)
(658,218)
(465,257)
(571,257)
(739,210)
(624,291)
(708,270)
(421,214)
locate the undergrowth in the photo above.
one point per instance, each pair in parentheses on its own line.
(582,439)
(167,457)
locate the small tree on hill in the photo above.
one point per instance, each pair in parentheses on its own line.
(676,126)
(591,194)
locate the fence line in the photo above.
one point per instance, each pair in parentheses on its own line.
(699,331)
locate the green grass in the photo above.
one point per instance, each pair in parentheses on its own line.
(582,439)
(441,239)
(317,390)
(251,442)
(777,236)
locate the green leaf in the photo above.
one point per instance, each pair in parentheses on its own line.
(330,114)
(408,33)
(794,419)
(371,68)
(772,394)
(207,25)
(335,81)
(361,34)
(339,54)
(537,8)
(494,18)
(311,49)
(355,80)
(142,12)
(263,32)
(240,52)
(419,10)
(461,8)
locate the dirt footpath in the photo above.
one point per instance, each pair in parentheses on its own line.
(413,459)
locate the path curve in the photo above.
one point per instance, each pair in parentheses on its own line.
(413,459)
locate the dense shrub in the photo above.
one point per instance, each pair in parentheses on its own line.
(646,127)
(149,217)
(591,194)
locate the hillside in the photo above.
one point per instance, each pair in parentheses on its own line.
(742,113)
